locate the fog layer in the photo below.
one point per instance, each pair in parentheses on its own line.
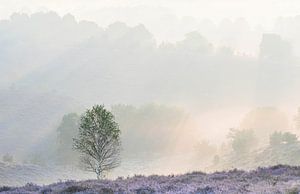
(218,97)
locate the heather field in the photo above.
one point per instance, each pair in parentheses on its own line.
(276,179)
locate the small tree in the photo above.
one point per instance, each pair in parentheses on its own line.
(98,140)
(67,130)
(242,141)
(279,138)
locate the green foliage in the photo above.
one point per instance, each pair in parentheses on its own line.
(98,140)
(284,148)
(67,130)
(242,141)
(293,190)
(278,138)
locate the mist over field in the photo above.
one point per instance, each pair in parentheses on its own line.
(193,86)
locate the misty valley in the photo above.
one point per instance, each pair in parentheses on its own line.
(120,108)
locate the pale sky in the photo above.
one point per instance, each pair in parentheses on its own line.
(255,11)
(167,20)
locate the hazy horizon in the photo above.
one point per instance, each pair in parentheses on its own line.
(184,79)
(156,15)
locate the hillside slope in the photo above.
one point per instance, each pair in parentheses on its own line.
(276,179)
(27,117)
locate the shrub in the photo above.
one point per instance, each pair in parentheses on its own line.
(74,189)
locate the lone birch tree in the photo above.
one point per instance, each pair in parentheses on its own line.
(98,141)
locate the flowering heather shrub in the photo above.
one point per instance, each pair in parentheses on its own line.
(4,188)
(276,179)
(74,189)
